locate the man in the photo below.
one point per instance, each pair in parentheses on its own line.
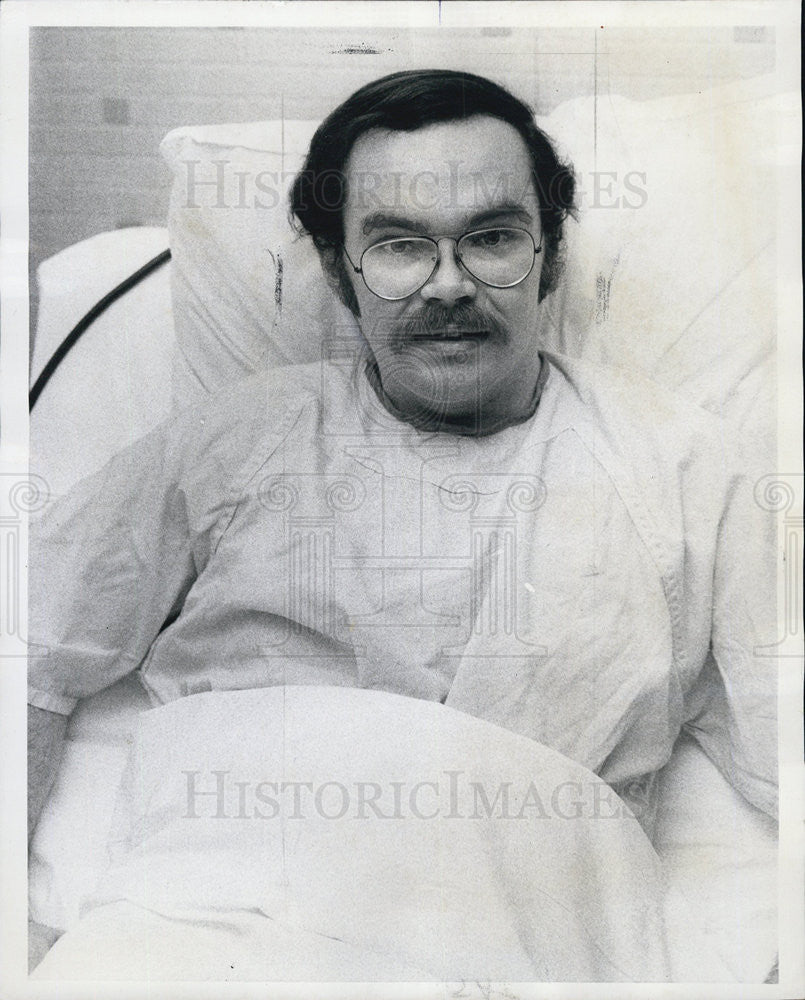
(444,511)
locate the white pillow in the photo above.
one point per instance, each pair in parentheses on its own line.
(247,291)
(667,269)
(683,284)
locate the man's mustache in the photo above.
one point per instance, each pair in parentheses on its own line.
(436,320)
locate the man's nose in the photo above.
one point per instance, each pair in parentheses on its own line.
(450,282)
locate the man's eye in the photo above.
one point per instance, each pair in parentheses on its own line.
(401,248)
(489,238)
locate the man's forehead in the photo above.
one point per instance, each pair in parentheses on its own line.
(450,170)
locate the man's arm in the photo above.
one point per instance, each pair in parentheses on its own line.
(107,562)
(45,744)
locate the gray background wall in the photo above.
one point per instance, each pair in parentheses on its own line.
(101,99)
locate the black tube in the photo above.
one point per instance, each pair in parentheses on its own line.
(73,336)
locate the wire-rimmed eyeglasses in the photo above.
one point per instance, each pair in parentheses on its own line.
(396,268)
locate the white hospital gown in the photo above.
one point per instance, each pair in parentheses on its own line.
(592,579)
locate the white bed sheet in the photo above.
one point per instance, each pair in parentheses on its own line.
(565,888)
(735,906)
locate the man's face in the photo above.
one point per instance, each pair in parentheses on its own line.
(456,346)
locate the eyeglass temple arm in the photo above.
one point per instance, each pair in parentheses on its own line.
(357,270)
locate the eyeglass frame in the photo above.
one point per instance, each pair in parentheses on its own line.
(537,248)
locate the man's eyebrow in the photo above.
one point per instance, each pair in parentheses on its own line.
(505,208)
(385,220)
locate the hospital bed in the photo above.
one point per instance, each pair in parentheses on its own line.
(701,322)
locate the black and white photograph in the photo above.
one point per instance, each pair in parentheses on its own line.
(401,500)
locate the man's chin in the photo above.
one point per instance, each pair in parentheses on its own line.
(452,379)
(456,400)
(437,365)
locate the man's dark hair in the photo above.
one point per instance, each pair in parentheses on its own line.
(403,102)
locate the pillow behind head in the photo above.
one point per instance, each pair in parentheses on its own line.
(248,292)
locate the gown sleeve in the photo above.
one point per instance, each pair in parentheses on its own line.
(735,698)
(107,564)
(111,562)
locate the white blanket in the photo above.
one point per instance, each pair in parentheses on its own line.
(408,840)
